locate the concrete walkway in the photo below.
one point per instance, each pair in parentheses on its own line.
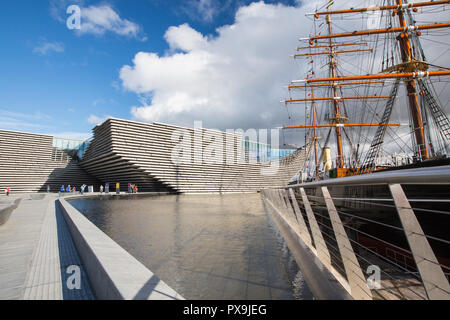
(35,251)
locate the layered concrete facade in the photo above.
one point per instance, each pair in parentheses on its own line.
(30,163)
(131,152)
(123,151)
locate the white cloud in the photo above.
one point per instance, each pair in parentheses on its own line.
(58,8)
(100,19)
(233,80)
(45,48)
(185,38)
(97,20)
(93,119)
(236,79)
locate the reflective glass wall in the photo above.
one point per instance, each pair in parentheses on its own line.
(66,144)
(263,152)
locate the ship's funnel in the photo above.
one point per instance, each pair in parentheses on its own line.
(326,158)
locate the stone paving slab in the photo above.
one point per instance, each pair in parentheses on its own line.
(35,251)
(22,230)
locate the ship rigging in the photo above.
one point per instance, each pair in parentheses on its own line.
(352,98)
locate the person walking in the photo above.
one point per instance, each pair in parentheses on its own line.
(62,189)
(68,189)
(101,189)
(135,188)
(82,188)
(48,188)
(8,190)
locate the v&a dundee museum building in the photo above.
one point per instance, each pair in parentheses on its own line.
(124,152)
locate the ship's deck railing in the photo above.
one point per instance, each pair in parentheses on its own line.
(375,246)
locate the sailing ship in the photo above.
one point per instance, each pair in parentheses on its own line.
(374,102)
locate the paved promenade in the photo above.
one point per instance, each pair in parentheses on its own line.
(35,251)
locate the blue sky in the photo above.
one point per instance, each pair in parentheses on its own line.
(54,79)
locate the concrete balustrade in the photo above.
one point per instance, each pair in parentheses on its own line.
(113,273)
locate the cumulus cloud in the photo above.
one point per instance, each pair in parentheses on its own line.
(185,38)
(45,48)
(232,80)
(236,79)
(58,8)
(93,119)
(100,19)
(97,19)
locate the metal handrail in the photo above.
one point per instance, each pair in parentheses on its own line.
(436,175)
(428,175)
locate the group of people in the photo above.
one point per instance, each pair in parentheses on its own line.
(132,188)
(67,189)
(74,189)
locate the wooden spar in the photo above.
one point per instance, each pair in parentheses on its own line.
(342,125)
(412,75)
(335,45)
(336,84)
(416,114)
(315,135)
(380,31)
(405,32)
(337,112)
(383,8)
(337,98)
(336,52)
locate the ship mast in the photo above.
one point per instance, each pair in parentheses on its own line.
(407,56)
(316,159)
(337,114)
(411,70)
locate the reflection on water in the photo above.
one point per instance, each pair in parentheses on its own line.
(203,246)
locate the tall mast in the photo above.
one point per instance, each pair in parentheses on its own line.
(315,135)
(411,69)
(407,57)
(337,114)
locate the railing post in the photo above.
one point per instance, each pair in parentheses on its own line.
(290,210)
(433,278)
(282,203)
(355,276)
(303,230)
(275,200)
(321,247)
